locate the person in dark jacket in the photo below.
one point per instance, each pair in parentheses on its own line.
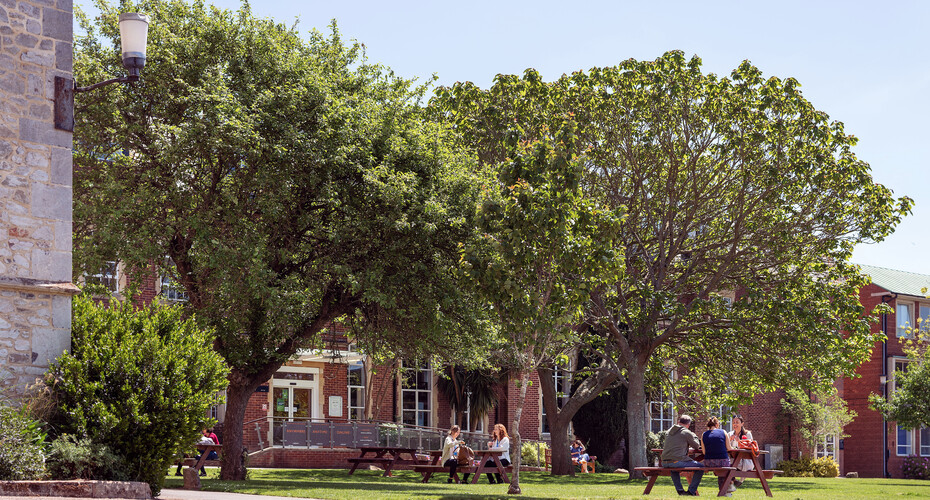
(675,454)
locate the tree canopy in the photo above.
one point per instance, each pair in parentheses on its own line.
(289,182)
(743,204)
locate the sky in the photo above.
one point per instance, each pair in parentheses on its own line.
(866,64)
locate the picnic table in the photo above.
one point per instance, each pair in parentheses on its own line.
(729,473)
(385,456)
(480,466)
(204,450)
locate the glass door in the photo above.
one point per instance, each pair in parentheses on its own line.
(291,404)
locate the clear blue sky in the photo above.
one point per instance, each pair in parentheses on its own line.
(866,64)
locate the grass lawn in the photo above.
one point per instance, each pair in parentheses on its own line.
(369,485)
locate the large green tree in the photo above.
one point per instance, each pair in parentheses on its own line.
(543,247)
(735,187)
(290,182)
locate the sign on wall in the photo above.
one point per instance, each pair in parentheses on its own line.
(319,434)
(335,406)
(295,434)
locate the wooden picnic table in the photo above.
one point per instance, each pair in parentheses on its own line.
(482,457)
(204,450)
(729,473)
(386,456)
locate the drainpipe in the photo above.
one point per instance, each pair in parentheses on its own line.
(885,300)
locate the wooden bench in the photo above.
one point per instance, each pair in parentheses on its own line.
(589,464)
(428,470)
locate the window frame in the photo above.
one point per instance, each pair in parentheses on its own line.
(559,374)
(901,330)
(911,441)
(104,276)
(822,448)
(665,404)
(420,395)
(360,367)
(924,443)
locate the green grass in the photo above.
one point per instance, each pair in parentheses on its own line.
(370,485)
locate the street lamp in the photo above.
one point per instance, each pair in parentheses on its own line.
(133,34)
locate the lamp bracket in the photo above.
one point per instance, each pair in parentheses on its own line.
(65,89)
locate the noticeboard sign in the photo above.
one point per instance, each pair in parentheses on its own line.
(366,435)
(343,435)
(319,434)
(295,434)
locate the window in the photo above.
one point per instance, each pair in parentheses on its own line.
(903,315)
(108,277)
(826,447)
(905,442)
(896,365)
(725,414)
(661,412)
(924,441)
(356,391)
(170,289)
(416,394)
(563,387)
(924,318)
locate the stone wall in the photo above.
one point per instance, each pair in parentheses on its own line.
(35,189)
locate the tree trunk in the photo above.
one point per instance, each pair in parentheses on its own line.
(516,446)
(560,419)
(237,398)
(636,417)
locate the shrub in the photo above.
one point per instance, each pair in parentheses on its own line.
(916,467)
(72,458)
(533,453)
(138,383)
(21,455)
(810,467)
(654,441)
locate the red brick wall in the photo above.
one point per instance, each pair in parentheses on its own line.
(335,383)
(303,458)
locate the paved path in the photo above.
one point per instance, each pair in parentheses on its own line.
(178,495)
(167,494)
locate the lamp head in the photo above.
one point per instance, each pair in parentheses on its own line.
(133,34)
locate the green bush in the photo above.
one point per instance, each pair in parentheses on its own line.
(137,382)
(654,441)
(21,455)
(810,467)
(916,467)
(73,458)
(533,453)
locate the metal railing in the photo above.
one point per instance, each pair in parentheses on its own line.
(315,433)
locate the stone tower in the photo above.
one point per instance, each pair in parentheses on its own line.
(35,189)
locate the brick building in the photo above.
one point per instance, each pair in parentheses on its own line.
(35,189)
(875,447)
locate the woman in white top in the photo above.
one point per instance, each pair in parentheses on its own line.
(740,432)
(450,449)
(499,442)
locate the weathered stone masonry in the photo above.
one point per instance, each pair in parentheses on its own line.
(35,189)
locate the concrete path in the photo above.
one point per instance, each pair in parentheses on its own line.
(177,495)
(167,494)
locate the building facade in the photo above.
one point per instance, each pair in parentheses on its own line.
(35,190)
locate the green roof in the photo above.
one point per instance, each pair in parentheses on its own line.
(895,281)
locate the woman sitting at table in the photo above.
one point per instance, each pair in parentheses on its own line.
(715,445)
(579,457)
(499,442)
(450,451)
(740,433)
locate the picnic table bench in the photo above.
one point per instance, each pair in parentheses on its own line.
(204,450)
(730,473)
(386,456)
(481,459)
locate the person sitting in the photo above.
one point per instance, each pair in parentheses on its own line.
(715,446)
(450,451)
(207,438)
(740,433)
(499,442)
(579,457)
(675,454)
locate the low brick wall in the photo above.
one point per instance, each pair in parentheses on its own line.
(77,488)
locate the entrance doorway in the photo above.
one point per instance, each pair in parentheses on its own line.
(294,398)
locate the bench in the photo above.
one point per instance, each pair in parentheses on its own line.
(428,470)
(589,465)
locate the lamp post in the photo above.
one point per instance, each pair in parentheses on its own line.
(133,34)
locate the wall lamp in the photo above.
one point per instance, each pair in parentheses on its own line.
(133,34)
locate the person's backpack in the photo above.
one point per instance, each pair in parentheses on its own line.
(466,455)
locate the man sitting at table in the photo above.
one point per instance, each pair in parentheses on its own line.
(675,454)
